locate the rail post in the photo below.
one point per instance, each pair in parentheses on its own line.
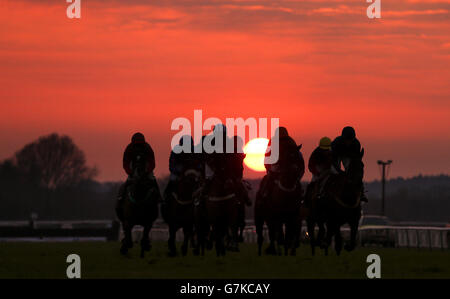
(429,239)
(407,238)
(418,239)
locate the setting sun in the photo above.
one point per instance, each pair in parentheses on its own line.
(255,150)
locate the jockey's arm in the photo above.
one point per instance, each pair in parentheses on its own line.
(301,165)
(151,159)
(127,156)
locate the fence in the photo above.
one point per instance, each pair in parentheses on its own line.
(85,230)
(387,236)
(417,237)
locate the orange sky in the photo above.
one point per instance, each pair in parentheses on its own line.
(135,65)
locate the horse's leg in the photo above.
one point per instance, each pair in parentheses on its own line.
(127,241)
(329,235)
(292,234)
(241,233)
(200,232)
(280,237)
(259,225)
(216,239)
(172,238)
(234,230)
(210,237)
(298,232)
(202,241)
(320,241)
(337,240)
(311,235)
(286,237)
(187,235)
(145,242)
(272,235)
(219,236)
(195,240)
(224,231)
(353,232)
(241,224)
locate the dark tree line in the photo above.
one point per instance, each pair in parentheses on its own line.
(420,198)
(50,177)
(53,162)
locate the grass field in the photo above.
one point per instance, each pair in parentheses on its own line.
(102,260)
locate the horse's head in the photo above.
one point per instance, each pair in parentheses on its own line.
(288,178)
(189,182)
(140,187)
(289,172)
(139,167)
(345,188)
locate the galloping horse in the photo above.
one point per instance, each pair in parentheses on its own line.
(220,212)
(140,207)
(282,207)
(180,210)
(341,204)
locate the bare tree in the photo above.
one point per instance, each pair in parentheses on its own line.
(54,161)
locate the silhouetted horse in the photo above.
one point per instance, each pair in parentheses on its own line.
(140,206)
(280,208)
(219,216)
(341,204)
(180,211)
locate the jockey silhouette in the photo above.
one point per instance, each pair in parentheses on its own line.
(216,162)
(321,160)
(289,154)
(320,165)
(181,159)
(236,169)
(137,147)
(345,148)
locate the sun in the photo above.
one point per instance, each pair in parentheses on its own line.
(255,150)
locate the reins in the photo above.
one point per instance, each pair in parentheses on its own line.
(285,189)
(221,198)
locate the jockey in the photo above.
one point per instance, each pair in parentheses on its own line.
(236,169)
(321,159)
(344,149)
(215,163)
(320,165)
(138,146)
(289,154)
(180,160)
(237,159)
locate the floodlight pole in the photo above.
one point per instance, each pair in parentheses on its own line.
(383,182)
